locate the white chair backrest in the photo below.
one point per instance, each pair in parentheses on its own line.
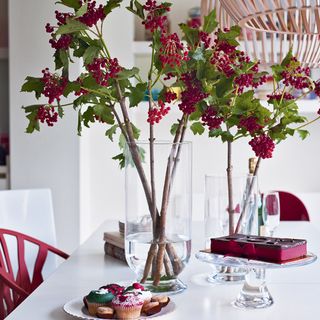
(29,212)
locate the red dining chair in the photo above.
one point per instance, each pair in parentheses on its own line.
(292,208)
(14,288)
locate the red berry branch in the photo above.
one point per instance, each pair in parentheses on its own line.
(216,79)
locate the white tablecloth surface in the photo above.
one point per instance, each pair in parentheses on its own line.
(296,291)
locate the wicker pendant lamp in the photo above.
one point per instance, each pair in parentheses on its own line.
(271,27)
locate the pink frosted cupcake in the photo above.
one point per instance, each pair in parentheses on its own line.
(128,306)
(138,289)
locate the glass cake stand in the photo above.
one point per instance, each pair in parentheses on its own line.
(254,293)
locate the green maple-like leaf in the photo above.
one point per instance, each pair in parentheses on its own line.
(231,35)
(224,86)
(190,35)
(90,53)
(32,116)
(210,22)
(197,128)
(286,60)
(127,73)
(136,8)
(75,4)
(122,160)
(82,10)
(104,113)
(303,133)
(111,4)
(71,87)
(112,131)
(33,85)
(137,94)
(174,128)
(88,116)
(71,26)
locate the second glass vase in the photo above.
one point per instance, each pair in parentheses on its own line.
(245,201)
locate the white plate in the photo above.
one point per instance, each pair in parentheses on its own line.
(76,308)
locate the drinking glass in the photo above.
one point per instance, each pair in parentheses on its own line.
(271,211)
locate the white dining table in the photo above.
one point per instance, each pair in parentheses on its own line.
(296,291)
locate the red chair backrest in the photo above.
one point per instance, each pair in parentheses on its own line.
(292,208)
(14,289)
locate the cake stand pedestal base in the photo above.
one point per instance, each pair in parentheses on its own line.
(254,293)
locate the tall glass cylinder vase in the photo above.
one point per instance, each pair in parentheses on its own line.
(245,213)
(158,212)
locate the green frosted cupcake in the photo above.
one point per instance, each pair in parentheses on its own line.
(98,298)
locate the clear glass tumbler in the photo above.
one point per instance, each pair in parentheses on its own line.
(245,203)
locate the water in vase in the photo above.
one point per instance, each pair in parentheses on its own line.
(177,255)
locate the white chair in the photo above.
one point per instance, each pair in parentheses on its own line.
(29,212)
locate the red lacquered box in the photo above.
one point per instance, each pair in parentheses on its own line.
(277,250)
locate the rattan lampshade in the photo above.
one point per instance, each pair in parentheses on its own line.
(271,27)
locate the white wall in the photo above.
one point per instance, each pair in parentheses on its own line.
(49,159)
(103,183)
(4,84)
(4,96)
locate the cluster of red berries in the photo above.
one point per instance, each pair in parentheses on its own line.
(210,118)
(63,42)
(104,69)
(222,62)
(156,114)
(221,45)
(53,85)
(192,94)
(228,59)
(90,18)
(48,115)
(223,56)
(155,18)
(194,23)
(170,96)
(62,17)
(243,81)
(317,88)
(250,124)
(49,28)
(93,14)
(263,146)
(278,96)
(249,80)
(296,76)
(205,39)
(172,52)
